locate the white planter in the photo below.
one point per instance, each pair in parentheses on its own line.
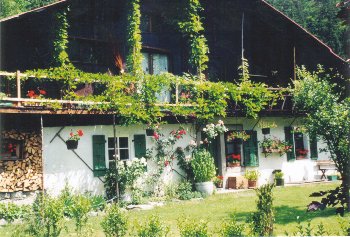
(206,188)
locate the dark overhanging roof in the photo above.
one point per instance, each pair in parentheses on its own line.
(59,2)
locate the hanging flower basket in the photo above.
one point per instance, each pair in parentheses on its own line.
(265,131)
(72,144)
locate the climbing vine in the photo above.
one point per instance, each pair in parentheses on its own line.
(134,57)
(60,41)
(192,28)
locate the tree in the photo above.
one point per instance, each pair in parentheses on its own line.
(319,17)
(327,116)
(11,7)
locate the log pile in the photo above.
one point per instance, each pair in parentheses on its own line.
(26,174)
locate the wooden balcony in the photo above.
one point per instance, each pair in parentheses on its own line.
(12,101)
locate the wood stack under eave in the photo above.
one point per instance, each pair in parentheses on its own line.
(23,175)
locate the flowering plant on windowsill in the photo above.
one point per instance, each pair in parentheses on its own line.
(302,152)
(75,136)
(234,158)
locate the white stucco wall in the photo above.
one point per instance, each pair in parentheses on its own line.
(61,165)
(294,171)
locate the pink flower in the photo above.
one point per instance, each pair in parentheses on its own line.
(156,135)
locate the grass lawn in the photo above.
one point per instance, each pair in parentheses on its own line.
(289,202)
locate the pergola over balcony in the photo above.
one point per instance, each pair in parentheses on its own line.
(15,98)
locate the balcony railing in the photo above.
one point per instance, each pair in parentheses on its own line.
(12,99)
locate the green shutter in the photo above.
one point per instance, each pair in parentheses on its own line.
(290,139)
(313,147)
(250,149)
(140,145)
(99,155)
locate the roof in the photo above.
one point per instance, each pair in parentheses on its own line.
(39,9)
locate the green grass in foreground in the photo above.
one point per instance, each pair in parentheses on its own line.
(289,202)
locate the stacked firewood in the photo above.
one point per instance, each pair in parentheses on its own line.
(26,174)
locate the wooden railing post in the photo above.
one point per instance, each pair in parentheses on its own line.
(177,93)
(18,82)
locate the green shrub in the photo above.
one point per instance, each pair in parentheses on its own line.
(191,228)
(203,166)
(232,228)
(47,217)
(309,230)
(184,191)
(262,220)
(137,197)
(98,203)
(252,175)
(66,198)
(114,224)
(153,228)
(80,210)
(11,211)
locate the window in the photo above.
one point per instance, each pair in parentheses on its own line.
(11,149)
(233,151)
(299,147)
(155,63)
(302,146)
(122,148)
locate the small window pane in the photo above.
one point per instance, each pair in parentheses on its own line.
(124,154)
(111,154)
(123,142)
(110,142)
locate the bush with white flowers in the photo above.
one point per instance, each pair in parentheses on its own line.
(212,130)
(129,171)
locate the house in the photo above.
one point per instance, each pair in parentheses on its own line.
(272,43)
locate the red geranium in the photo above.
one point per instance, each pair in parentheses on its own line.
(76,136)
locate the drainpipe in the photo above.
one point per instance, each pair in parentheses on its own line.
(115,157)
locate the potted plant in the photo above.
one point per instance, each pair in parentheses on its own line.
(233,160)
(301,153)
(278,177)
(265,127)
(252,177)
(72,141)
(218,181)
(238,136)
(270,145)
(203,167)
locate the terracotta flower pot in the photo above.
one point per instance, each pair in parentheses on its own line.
(72,144)
(251,183)
(233,164)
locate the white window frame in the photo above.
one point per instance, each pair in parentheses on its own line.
(118,148)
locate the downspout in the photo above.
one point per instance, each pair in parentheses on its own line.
(42,151)
(115,157)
